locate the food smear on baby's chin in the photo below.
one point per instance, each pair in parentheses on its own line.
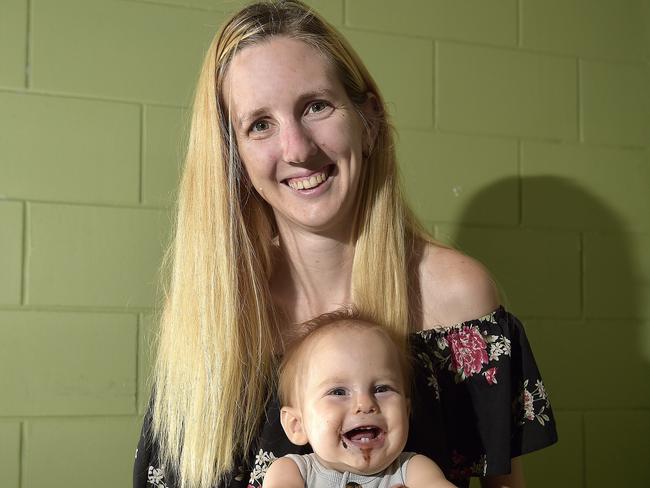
(366,454)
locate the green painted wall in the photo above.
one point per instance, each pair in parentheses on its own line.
(524,140)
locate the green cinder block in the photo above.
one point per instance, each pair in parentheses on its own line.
(498,91)
(164,151)
(623,340)
(126,50)
(13,42)
(537,272)
(646,16)
(469,20)
(94,256)
(66,363)
(617,448)
(392,60)
(220,5)
(332,10)
(10,454)
(76,453)
(616,275)
(146,348)
(443,174)
(585,187)
(563,462)
(615,103)
(11,252)
(87,151)
(594,29)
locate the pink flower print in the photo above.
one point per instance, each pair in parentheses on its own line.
(468,351)
(527,400)
(490,376)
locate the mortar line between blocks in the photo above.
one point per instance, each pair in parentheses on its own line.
(579,122)
(21,451)
(581,271)
(137,363)
(519,23)
(28,46)
(25,256)
(520,183)
(584,451)
(142,155)
(435,81)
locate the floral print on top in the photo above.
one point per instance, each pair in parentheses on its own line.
(477,401)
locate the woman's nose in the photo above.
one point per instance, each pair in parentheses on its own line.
(297,143)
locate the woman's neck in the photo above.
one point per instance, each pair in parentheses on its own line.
(312,274)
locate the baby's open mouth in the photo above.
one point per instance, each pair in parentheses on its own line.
(364,435)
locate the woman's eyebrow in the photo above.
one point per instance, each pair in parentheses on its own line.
(242,120)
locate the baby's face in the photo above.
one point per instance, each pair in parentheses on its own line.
(353,404)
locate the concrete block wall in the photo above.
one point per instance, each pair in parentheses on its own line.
(524,140)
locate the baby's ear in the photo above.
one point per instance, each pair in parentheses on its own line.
(291,421)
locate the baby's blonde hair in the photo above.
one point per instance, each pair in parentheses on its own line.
(296,354)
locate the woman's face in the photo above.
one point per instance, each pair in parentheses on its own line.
(299,135)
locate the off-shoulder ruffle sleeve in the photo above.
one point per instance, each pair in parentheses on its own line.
(479,399)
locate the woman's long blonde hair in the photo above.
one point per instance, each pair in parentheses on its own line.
(216,356)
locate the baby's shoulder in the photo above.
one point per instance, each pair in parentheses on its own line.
(283,473)
(423,472)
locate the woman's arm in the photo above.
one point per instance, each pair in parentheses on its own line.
(283,473)
(513,480)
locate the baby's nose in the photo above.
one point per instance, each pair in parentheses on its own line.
(366,404)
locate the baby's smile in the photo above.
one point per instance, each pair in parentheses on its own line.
(363,437)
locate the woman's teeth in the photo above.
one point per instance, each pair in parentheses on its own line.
(307,183)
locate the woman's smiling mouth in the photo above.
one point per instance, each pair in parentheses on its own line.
(309,182)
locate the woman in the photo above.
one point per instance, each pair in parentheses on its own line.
(290,207)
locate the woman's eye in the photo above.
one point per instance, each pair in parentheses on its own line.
(337,392)
(259,126)
(317,107)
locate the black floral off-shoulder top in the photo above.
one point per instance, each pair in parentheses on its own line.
(478,401)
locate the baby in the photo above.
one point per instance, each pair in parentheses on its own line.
(344,388)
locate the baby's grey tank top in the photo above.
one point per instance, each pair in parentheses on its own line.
(318,476)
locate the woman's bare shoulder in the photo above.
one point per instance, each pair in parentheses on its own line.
(454,287)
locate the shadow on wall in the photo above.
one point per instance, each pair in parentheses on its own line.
(571,270)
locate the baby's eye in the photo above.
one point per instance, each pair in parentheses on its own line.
(337,392)
(382,388)
(259,126)
(316,107)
